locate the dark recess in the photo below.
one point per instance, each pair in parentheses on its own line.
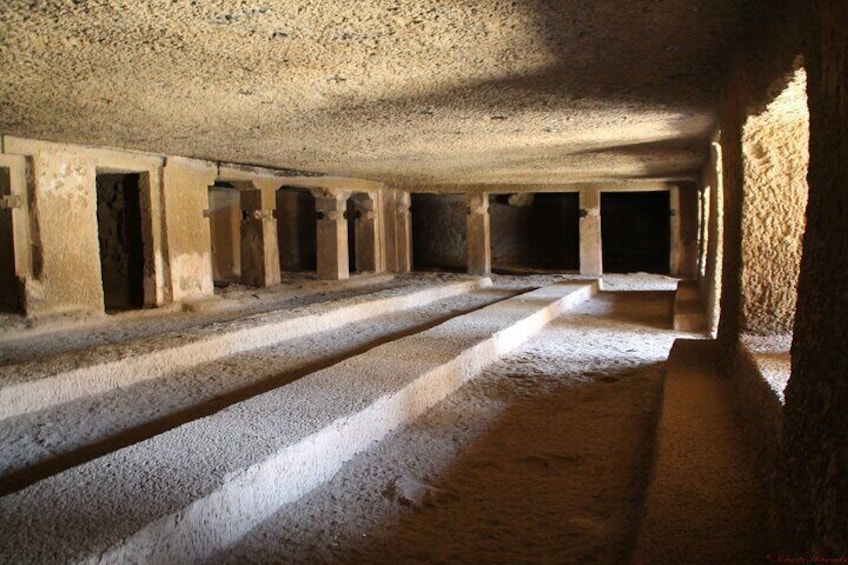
(121,242)
(439,232)
(9,295)
(296,230)
(635,228)
(351,215)
(544,236)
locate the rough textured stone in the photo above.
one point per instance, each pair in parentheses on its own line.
(815,492)
(425,92)
(775,157)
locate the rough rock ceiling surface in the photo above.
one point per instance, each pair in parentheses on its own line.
(418,93)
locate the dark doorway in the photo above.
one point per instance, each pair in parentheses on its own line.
(535,232)
(9,292)
(350,215)
(635,230)
(439,232)
(225,231)
(121,241)
(296,230)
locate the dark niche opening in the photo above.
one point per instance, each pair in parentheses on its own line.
(635,230)
(439,232)
(121,242)
(296,230)
(535,232)
(351,214)
(9,290)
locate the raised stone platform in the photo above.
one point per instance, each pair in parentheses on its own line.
(184,494)
(707,502)
(31,386)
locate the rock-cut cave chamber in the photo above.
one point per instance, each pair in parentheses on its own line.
(464,282)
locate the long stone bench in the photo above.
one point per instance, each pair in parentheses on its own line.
(187,493)
(28,387)
(706,502)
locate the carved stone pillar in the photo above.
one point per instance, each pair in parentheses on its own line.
(260,254)
(331,234)
(479,237)
(591,257)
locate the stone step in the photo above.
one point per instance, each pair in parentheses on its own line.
(32,386)
(706,502)
(187,493)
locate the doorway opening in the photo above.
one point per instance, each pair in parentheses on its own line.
(351,215)
(297,230)
(119,229)
(535,232)
(439,232)
(225,230)
(10,300)
(636,232)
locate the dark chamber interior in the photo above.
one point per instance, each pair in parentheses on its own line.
(535,232)
(9,294)
(635,228)
(296,230)
(439,232)
(351,215)
(121,244)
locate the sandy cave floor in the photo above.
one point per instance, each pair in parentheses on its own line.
(542,458)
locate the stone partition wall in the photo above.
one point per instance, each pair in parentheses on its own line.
(58,224)
(713,242)
(63,198)
(811,479)
(186,183)
(774,200)
(814,501)
(402,237)
(688,211)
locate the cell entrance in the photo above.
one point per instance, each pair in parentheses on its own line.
(119,227)
(9,291)
(635,231)
(296,230)
(351,214)
(535,232)
(225,231)
(439,232)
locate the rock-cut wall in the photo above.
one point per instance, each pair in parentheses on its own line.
(774,200)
